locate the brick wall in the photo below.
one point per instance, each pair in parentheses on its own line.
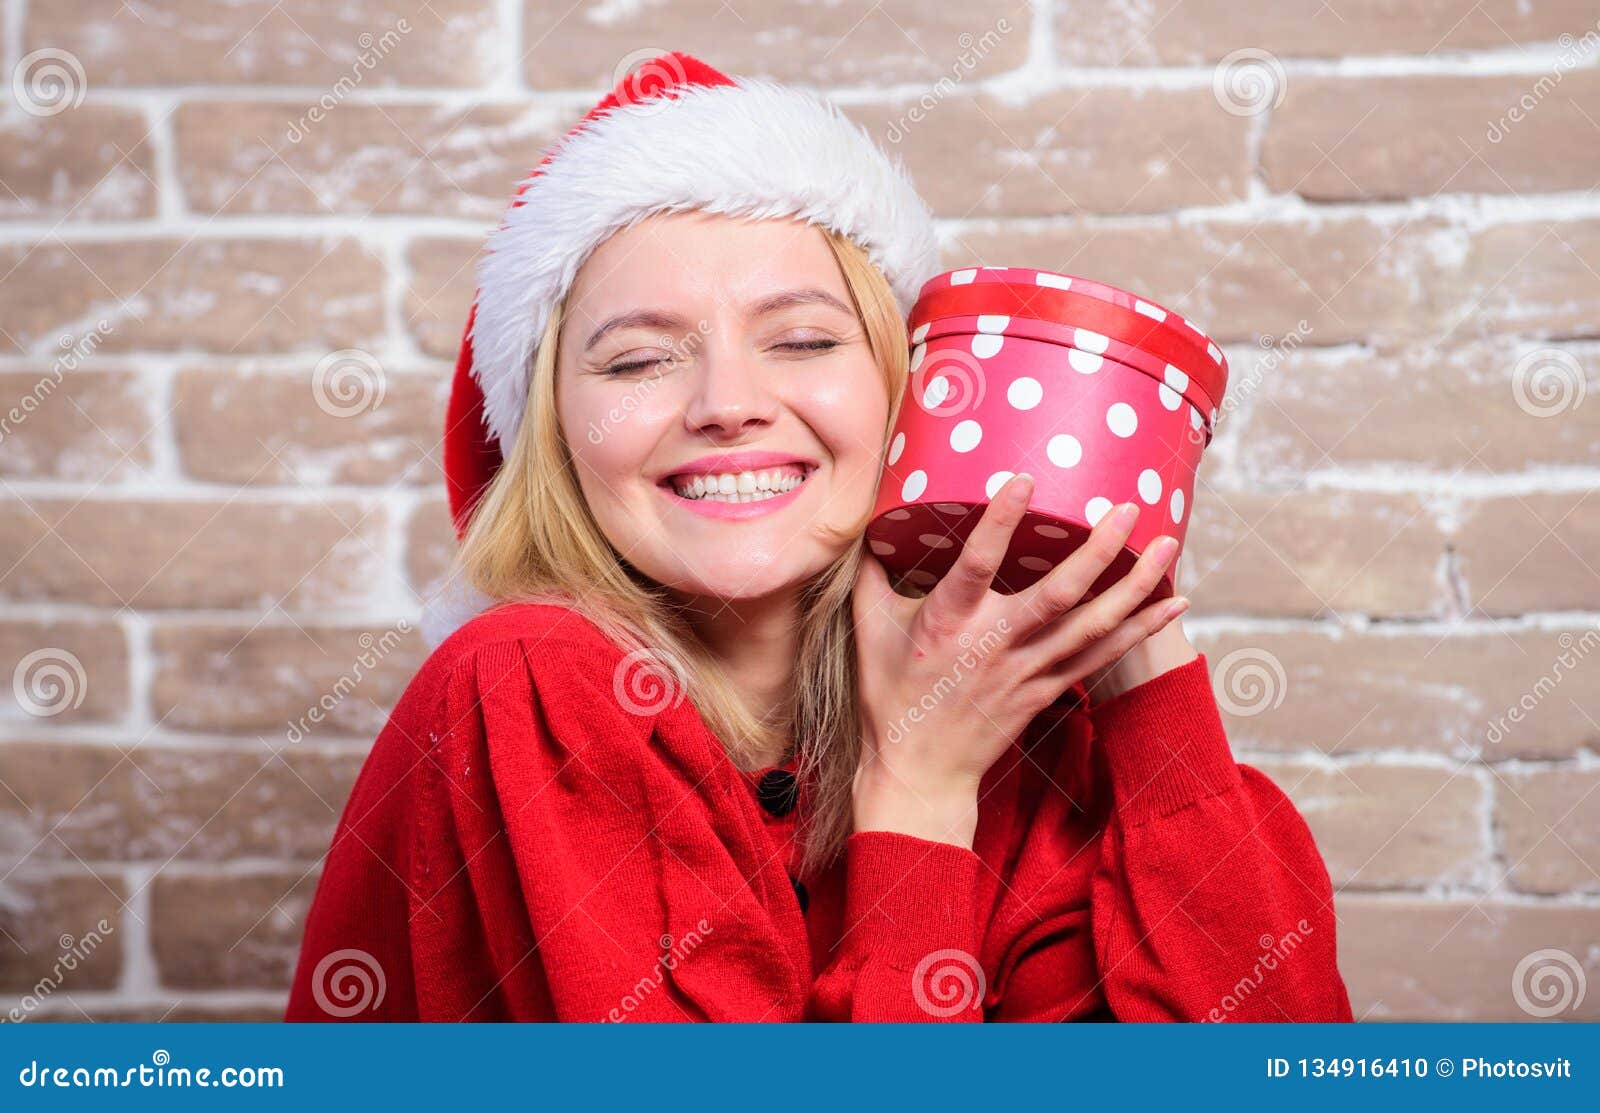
(235,258)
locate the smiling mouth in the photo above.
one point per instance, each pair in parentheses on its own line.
(757,485)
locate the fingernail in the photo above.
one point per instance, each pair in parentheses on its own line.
(1166,548)
(1126,514)
(1177,607)
(1021,486)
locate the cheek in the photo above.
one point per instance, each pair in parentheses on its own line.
(612,428)
(848,413)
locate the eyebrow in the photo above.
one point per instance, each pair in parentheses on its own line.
(655,318)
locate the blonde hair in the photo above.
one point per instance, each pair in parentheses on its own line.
(532,537)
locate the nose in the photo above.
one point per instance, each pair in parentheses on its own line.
(730,397)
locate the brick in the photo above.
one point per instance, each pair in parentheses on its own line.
(1532,277)
(1408,958)
(357,422)
(1339,692)
(229,932)
(1349,278)
(293,683)
(430,543)
(1311,554)
(429,160)
(1549,824)
(62,423)
(1076,150)
(193,554)
(145,802)
(275,42)
(1377,138)
(214,295)
(58,935)
(1389,826)
(1451,409)
(189,1009)
(440,293)
(843,43)
(77,671)
(1207,30)
(90,162)
(1533,552)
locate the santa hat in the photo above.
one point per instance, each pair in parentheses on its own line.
(674,135)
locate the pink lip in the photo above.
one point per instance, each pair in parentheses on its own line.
(735,462)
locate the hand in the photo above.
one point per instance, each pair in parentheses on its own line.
(949,681)
(1166,649)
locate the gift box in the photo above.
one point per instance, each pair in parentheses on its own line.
(1101,395)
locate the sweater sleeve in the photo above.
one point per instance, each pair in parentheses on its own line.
(544,853)
(1210,900)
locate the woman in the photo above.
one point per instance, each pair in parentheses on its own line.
(698,760)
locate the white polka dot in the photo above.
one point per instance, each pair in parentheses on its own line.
(915,484)
(1064,450)
(986,344)
(1054,533)
(1121,419)
(1213,415)
(1149,310)
(962,278)
(1170,398)
(1035,564)
(1149,486)
(1177,504)
(1055,281)
(934,394)
(1175,378)
(916,355)
(965,436)
(1214,352)
(993,322)
(1089,341)
(1084,363)
(950,508)
(896,447)
(921,332)
(1096,509)
(882,548)
(897,515)
(996,481)
(1194,417)
(1024,393)
(935,540)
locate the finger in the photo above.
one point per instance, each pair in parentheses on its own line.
(1107,651)
(1065,584)
(872,586)
(962,588)
(1099,617)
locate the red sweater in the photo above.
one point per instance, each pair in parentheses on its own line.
(521,846)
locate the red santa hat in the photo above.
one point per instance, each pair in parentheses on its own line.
(674,135)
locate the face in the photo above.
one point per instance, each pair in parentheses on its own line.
(721,402)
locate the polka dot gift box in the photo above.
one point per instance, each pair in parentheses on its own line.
(1102,396)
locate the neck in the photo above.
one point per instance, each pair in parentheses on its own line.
(756,641)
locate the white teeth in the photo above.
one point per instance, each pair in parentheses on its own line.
(746,486)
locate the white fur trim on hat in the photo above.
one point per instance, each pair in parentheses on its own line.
(754,148)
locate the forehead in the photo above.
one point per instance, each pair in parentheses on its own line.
(699,260)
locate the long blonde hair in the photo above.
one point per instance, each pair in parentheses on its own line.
(532,537)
